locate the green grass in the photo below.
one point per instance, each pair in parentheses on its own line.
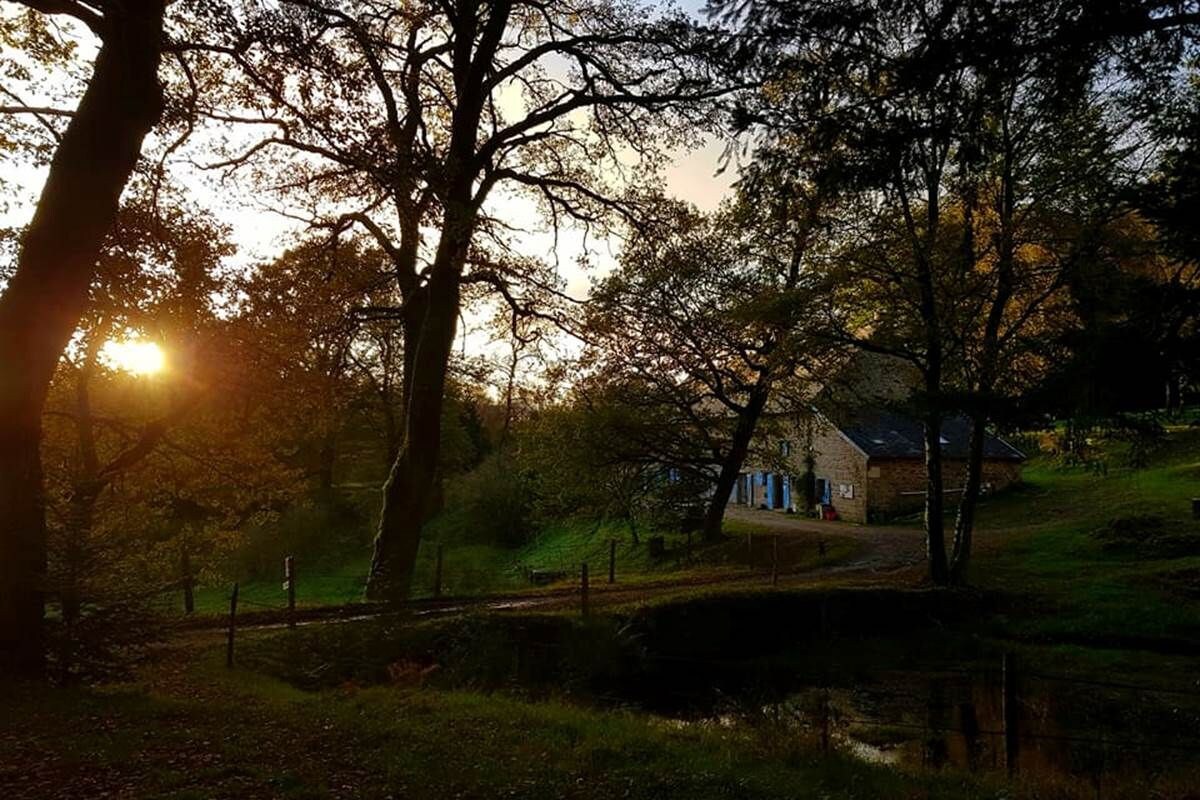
(472,569)
(564,546)
(1045,542)
(336,585)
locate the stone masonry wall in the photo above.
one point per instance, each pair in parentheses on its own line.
(896,486)
(844,466)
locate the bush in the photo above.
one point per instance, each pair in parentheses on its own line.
(314,534)
(493,503)
(1146,536)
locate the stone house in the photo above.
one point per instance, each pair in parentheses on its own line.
(870,466)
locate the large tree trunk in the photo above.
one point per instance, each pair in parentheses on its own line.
(964,523)
(935,500)
(935,535)
(42,305)
(411,491)
(731,467)
(391,434)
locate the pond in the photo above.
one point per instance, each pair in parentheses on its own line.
(1093,738)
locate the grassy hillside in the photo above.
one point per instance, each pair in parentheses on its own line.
(1113,554)
(554,556)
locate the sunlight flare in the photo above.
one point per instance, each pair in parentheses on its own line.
(135,356)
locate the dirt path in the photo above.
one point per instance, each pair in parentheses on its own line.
(886,546)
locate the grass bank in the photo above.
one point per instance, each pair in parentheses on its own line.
(1095,558)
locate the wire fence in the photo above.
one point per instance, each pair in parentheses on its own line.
(478,573)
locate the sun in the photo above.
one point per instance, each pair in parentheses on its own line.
(135,356)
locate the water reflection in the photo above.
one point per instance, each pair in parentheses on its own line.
(1089,741)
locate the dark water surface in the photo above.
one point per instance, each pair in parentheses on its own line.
(1093,738)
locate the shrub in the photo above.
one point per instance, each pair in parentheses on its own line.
(314,534)
(494,503)
(1146,536)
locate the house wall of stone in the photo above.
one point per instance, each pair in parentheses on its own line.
(838,461)
(897,486)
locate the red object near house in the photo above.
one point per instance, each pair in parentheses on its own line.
(828,512)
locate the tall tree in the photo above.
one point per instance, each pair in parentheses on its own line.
(704,319)
(47,293)
(302,320)
(1171,201)
(410,119)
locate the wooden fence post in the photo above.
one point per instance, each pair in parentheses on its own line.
(189,586)
(612,560)
(750,550)
(289,585)
(583,588)
(233,598)
(1012,741)
(821,548)
(437,571)
(775,560)
(824,719)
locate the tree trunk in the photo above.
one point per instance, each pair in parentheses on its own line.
(326,458)
(391,434)
(1174,401)
(80,514)
(935,536)
(409,495)
(714,515)
(43,302)
(964,523)
(22,542)
(731,467)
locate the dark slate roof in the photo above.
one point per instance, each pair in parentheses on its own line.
(887,434)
